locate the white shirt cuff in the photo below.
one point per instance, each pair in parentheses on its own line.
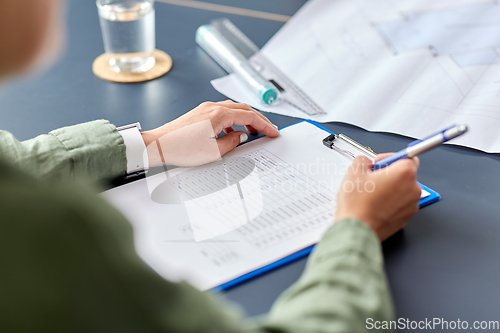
(137,156)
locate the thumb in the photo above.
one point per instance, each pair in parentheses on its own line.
(229,141)
(382,156)
(361,164)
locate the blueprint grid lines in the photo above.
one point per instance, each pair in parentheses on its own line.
(408,67)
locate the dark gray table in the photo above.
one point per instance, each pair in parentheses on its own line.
(444,264)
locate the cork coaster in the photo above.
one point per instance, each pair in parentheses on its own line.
(101,69)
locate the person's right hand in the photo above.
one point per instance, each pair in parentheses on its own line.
(385,199)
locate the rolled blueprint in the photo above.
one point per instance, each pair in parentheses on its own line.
(229,58)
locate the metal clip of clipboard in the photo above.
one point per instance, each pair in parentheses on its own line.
(329,142)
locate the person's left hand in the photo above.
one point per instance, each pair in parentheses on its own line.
(192,139)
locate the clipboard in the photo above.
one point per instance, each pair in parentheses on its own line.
(432,198)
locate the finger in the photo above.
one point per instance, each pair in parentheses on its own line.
(409,162)
(244,118)
(251,129)
(230,106)
(417,161)
(264,117)
(382,156)
(361,164)
(233,105)
(417,208)
(242,106)
(405,168)
(418,193)
(229,129)
(231,141)
(414,208)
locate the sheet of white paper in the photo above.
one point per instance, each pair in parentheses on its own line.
(409,67)
(265,200)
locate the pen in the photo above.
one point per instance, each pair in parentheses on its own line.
(420,146)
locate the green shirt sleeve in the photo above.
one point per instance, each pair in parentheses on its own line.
(343,286)
(93,151)
(69,265)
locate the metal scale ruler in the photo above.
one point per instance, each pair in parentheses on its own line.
(289,92)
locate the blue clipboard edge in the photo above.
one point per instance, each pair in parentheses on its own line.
(434,197)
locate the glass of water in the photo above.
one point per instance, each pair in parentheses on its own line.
(128,31)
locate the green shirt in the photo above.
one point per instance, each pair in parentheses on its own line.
(68,262)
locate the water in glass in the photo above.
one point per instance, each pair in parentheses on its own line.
(128,30)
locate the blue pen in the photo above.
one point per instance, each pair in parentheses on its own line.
(420,146)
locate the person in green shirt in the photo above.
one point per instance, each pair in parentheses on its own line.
(68,263)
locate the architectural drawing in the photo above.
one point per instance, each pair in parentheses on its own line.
(409,67)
